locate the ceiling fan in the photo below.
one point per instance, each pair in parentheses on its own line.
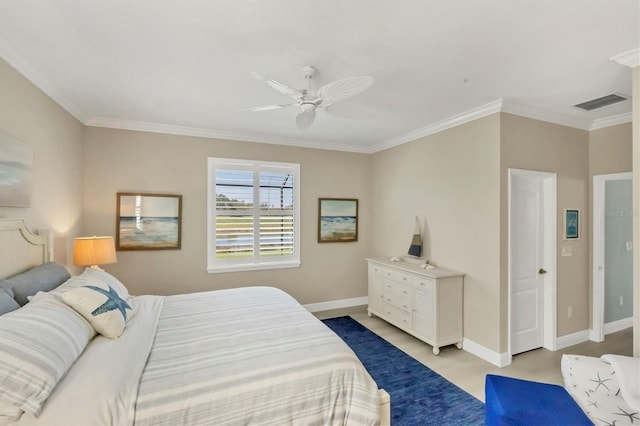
(308,101)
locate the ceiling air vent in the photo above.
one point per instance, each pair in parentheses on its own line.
(601,102)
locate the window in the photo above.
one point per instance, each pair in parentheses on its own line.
(253,215)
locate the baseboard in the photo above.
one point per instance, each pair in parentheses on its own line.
(619,325)
(504,359)
(337,304)
(495,358)
(572,339)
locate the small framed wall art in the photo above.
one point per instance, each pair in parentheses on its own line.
(337,220)
(571,224)
(148,221)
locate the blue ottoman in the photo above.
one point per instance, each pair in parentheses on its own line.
(511,401)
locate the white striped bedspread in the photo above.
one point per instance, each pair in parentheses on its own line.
(244,356)
(250,356)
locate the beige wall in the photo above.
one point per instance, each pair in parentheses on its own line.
(610,150)
(28,115)
(451,181)
(119,160)
(536,145)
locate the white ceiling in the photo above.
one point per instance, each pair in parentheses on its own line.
(183,66)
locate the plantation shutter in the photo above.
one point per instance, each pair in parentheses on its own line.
(234,214)
(254,217)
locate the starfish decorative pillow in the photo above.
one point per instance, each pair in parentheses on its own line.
(106,308)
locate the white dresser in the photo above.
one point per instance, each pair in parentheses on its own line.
(426,303)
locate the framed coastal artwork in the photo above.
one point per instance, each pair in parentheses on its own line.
(15,172)
(148,221)
(337,220)
(571,224)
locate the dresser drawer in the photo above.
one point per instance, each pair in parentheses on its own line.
(423,283)
(394,275)
(375,269)
(397,294)
(397,316)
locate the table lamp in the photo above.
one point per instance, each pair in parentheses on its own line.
(94,251)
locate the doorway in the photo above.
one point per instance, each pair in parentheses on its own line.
(612,254)
(532,260)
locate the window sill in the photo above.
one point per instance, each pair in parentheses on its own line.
(247,267)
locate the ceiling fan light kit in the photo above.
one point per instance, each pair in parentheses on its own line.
(309,101)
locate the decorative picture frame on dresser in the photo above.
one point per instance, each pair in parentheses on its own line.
(337,220)
(571,227)
(148,221)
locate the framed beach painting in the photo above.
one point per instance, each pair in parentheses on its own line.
(337,220)
(571,224)
(148,221)
(15,172)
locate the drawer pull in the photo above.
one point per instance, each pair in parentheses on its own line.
(388,273)
(405,306)
(388,313)
(404,278)
(405,291)
(388,300)
(388,285)
(421,283)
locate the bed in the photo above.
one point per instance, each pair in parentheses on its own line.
(240,356)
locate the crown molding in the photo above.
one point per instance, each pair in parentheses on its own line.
(143,126)
(16,60)
(456,120)
(490,108)
(629,59)
(543,115)
(508,107)
(601,123)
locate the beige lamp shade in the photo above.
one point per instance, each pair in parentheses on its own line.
(94,251)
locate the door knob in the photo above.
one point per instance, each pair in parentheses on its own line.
(542,271)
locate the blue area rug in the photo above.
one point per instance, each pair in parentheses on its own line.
(419,396)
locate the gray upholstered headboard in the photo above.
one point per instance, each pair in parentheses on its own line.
(21,249)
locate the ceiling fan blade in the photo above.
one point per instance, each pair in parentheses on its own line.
(266,108)
(348,111)
(305,119)
(280,87)
(345,88)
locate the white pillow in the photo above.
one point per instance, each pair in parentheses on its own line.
(102,300)
(88,277)
(628,370)
(40,342)
(588,374)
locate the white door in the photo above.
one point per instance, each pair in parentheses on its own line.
(526,262)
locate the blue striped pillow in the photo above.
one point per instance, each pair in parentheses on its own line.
(40,342)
